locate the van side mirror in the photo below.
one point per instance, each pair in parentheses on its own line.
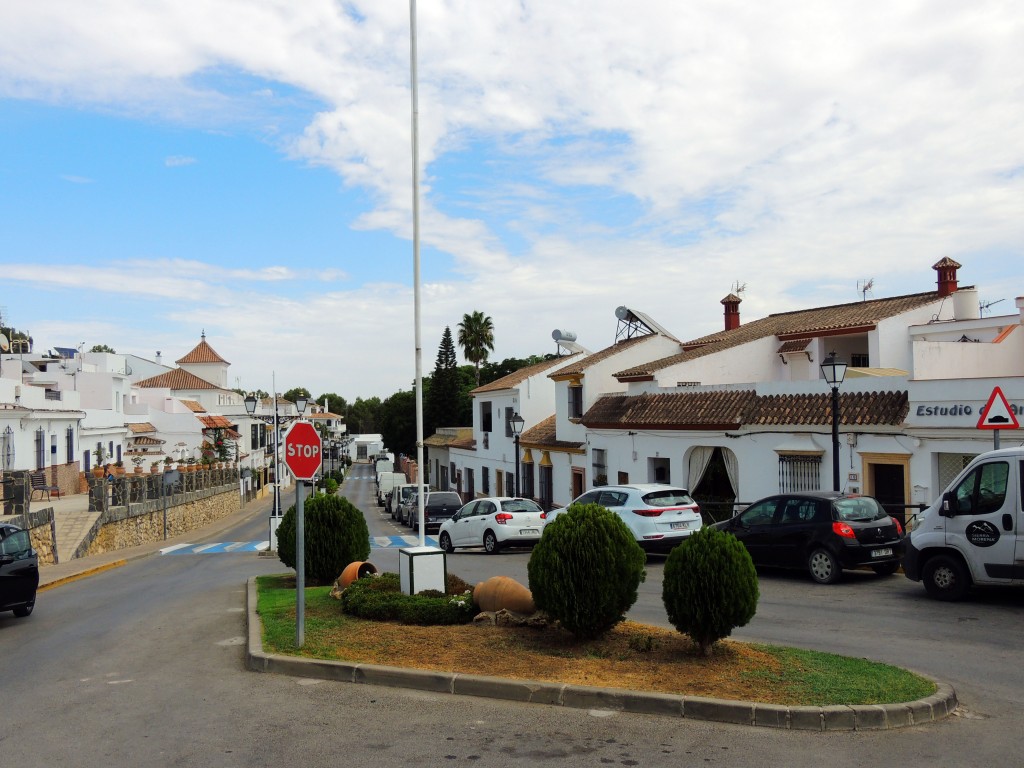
(948,508)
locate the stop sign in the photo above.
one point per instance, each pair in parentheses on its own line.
(302,450)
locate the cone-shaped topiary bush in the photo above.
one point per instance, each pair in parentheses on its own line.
(335,534)
(585,570)
(709,586)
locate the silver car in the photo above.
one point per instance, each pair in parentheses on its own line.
(660,516)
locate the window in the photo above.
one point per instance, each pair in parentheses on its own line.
(40,448)
(859,361)
(760,513)
(510,486)
(799,473)
(575,402)
(485,417)
(599,459)
(546,490)
(69,444)
(470,486)
(526,481)
(508,422)
(254,436)
(984,490)
(485,480)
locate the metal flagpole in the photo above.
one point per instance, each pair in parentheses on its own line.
(416,266)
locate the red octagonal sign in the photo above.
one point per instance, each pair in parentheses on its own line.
(302,452)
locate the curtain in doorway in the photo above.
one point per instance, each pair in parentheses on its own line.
(700,457)
(732,469)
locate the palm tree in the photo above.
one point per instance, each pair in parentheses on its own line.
(476,337)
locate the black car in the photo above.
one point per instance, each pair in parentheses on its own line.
(823,532)
(438,506)
(19,571)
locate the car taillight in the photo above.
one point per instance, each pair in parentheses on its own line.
(648,512)
(502,517)
(844,530)
(899,528)
(543,515)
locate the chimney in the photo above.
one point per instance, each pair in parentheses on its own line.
(732,311)
(158,357)
(946,268)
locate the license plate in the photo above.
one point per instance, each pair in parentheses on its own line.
(887,552)
(680,526)
(527,531)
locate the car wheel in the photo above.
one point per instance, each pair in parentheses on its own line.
(446,543)
(24,610)
(824,567)
(945,578)
(491,544)
(885,569)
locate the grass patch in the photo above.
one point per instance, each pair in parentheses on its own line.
(631,655)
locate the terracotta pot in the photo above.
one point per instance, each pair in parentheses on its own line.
(97,471)
(356,570)
(138,470)
(502,592)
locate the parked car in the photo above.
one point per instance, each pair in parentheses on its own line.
(660,516)
(438,506)
(399,495)
(19,571)
(823,532)
(493,523)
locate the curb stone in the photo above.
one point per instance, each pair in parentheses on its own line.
(866,717)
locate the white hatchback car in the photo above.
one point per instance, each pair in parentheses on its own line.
(660,516)
(493,523)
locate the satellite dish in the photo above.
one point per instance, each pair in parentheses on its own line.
(5,345)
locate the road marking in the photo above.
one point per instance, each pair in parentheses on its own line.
(228,547)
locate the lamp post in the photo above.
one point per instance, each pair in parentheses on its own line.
(834,372)
(516,421)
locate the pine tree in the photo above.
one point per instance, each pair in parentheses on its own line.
(442,398)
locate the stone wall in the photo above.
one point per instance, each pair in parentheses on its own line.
(140,523)
(42,531)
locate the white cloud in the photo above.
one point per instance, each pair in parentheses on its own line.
(176,161)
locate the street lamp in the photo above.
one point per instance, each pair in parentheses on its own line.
(516,421)
(834,372)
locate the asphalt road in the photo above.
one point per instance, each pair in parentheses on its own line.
(143,665)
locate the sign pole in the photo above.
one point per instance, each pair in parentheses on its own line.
(995,439)
(300,565)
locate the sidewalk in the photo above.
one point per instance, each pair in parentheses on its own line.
(72,518)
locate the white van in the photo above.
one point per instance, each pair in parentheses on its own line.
(974,532)
(385,483)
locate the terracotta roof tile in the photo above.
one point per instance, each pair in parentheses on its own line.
(194,405)
(147,440)
(176,379)
(796,345)
(543,437)
(800,324)
(202,353)
(580,366)
(449,438)
(215,422)
(517,377)
(141,427)
(732,409)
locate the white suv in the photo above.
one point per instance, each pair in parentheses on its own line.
(660,516)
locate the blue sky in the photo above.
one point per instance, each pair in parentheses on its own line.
(243,168)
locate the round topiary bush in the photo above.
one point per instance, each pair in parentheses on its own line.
(335,534)
(709,587)
(585,570)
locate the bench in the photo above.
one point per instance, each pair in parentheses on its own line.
(40,485)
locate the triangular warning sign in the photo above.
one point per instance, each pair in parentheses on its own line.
(997,413)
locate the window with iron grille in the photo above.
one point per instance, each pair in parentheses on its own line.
(526,480)
(799,473)
(69,444)
(7,455)
(950,465)
(575,402)
(599,462)
(546,488)
(254,436)
(40,448)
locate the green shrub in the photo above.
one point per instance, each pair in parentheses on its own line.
(330,486)
(709,587)
(335,533)
(380,598)
(585,570)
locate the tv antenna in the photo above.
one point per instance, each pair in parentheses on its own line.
(986,306)
(739,288)
(864,288)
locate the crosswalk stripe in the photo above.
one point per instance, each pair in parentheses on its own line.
(221,547)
